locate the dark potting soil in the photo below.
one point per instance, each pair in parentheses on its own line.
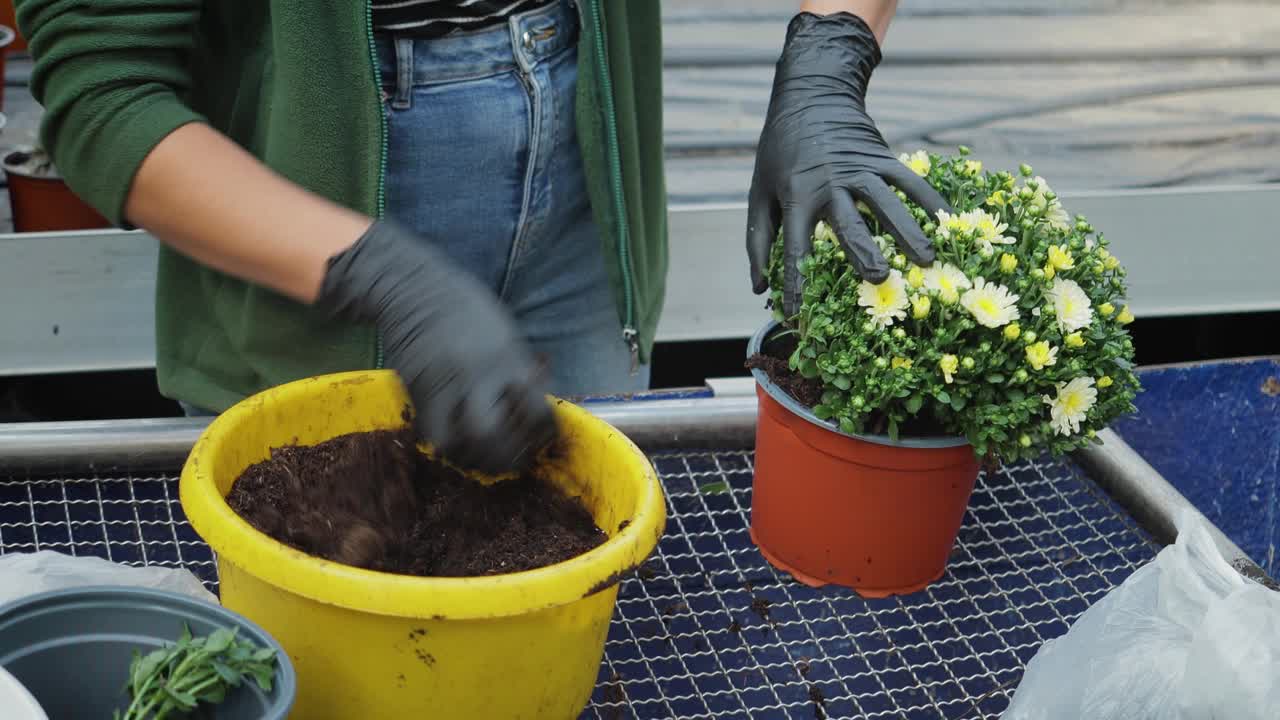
(372,500)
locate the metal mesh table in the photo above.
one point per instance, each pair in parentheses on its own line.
(707,628)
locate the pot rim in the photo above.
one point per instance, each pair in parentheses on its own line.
(153,599)
(23,170)
(930,442)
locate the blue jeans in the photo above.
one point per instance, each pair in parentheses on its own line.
(483,160)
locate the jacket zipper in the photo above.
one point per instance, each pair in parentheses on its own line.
(380,210)
(596,22)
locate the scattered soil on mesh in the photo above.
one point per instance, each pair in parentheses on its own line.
(819,702)
(735,627)
(372,500)
(760,606)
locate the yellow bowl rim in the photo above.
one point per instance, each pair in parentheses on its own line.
(235,541)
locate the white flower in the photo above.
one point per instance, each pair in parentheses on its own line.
(989,229)
(917,161)
(953,225)
(1069,408)
(1070,304)
(992,305)
(1088,243)
(947,281)
(887,301)
(1057,216)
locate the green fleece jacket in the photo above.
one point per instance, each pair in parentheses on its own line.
(295,84)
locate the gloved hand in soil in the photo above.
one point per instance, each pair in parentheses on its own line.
(819,152)
(477,390)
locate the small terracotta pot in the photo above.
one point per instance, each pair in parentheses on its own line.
(9,40)
(862,512)
(42,202)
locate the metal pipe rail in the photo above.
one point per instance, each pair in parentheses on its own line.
(724,422)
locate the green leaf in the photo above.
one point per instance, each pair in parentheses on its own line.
(995,378)
(958,403)
(847,426)
(808,368)
(219,641)
(842,382)
(229,676)
(185,700)
(914,403)
(714,488)
(943,397)
(823,412)
(264,654)
(1017,396)
(264,678)
(216,694)
(893,429)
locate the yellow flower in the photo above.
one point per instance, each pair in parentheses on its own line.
(997,199)
(1071,406)
(972,167)
(1106,309)
(949,224)
(915,277)
(1060,257)
(991,304)
(1074,340)
(1008,263)
(1049,272)
(920,305)
(1111,263)
(886,301)
(918,161)
(1104,381)
(947,280)
(900,362)
(1125,317)
(1040,355)
(1012,331)
(948,365)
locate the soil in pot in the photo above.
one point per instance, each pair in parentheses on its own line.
(774,360)
(372,500)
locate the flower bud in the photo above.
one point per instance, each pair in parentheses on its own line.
(915,277)
(1020,375)
(1074,340)
(858,402)
(967,363)
(899,333)
(898,261)
(868,327)
(1025,441)
(1025,169)
(1008,263)
(882,363)
(1105,381)
(1012,331)
(948,365)
(1049,272)
(1105,309)
(1038,273)
(1029,337)
(1125,317)
(920,307)
(964,150)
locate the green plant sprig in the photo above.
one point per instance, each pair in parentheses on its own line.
(193,670)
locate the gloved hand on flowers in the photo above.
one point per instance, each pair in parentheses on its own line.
(820,152)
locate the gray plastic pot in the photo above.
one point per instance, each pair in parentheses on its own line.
(72,649)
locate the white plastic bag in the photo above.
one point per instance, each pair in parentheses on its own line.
(1186,637)
(25,574)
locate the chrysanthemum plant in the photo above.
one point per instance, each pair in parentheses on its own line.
(1015,337)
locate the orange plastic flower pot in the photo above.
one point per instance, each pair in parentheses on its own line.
(864,512)
(42,202)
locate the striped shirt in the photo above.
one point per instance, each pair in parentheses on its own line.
(434,18)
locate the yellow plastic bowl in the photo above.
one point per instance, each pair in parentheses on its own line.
(375,645)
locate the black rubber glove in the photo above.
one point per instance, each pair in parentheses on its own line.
(819,152)
(475,385)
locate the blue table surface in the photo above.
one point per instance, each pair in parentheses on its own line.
(1213,430)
